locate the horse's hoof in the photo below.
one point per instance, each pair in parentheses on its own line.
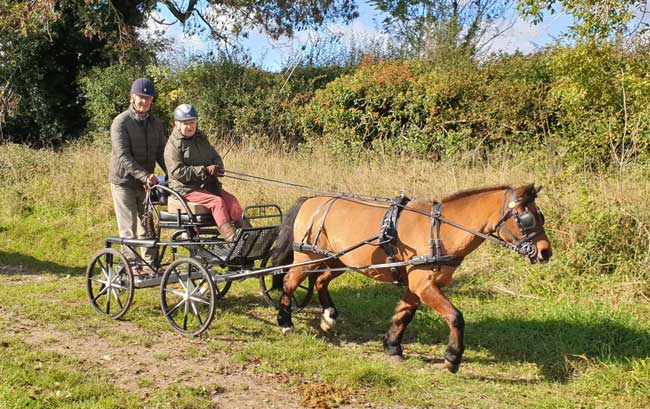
(287,330)
(451,367)
(326,321)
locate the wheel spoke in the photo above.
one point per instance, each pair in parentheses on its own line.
(201,300)
(116,294)
(199,288)
(186,312)
(179,280)
(176,307)
(108,301)
(104,268)
(196,312)
(102,292)
(175,292)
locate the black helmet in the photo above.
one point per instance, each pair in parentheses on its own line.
(143,87)
(185,112)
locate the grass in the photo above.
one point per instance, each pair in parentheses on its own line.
(572,333)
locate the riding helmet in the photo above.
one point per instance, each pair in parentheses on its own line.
(185,112)
(143,87)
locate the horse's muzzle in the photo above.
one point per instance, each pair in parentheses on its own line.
(544,255)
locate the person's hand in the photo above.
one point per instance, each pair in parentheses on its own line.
(213,170)
(152,180)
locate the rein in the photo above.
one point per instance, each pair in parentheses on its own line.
(523,246)
(288,185)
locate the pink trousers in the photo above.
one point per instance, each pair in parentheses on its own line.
(223,208)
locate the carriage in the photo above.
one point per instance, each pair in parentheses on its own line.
(194,266)
(318,239)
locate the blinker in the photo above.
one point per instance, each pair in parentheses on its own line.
(527,220)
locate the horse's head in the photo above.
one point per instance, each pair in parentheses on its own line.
(522,224)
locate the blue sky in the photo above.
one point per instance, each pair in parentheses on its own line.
(274,55)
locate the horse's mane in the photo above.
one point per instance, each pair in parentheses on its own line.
(528,194)
(465,193)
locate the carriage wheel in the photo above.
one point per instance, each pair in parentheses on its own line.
(271,287)
(109,283)
(188,296)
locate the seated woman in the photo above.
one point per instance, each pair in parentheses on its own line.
(193,166)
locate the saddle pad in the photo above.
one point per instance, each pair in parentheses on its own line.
(173,204)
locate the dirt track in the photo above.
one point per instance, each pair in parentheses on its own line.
(154,361)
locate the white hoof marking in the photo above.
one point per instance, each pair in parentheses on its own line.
(326,321)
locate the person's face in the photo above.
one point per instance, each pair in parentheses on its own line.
(187,128)
(141,104)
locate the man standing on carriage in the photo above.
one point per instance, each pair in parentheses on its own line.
(137,144)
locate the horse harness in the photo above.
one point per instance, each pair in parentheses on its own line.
(386,240)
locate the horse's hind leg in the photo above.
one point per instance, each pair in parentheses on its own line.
(421,283)
(404,313)
(329,313)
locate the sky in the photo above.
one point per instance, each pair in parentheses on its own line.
(272,55)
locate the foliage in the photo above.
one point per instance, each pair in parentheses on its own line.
(235,102)
(46,45)
(414,107)
(601,97)
(221,19)
(429,28)
(595,21)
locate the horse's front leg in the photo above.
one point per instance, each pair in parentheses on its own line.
(292,280)
(404,313)
(329,313)
(422,284)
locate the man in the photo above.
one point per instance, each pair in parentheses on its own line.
(137,143)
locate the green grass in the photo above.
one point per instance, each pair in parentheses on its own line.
(551,336)
(520,352)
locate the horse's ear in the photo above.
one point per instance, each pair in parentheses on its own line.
(528,193)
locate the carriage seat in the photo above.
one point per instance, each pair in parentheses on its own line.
(202,214)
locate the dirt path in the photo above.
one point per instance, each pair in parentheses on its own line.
(143,366)
(153,361)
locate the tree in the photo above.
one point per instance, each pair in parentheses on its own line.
(425,28)
(595,20)
(226,18)
(46,45)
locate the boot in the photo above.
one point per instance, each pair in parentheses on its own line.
(243,223)
(228,231)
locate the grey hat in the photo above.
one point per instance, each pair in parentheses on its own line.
(185,112)
(143,87)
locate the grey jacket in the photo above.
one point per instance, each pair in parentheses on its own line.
(187,160)
(136,146)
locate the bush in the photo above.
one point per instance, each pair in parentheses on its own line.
(592,115)
(411,107)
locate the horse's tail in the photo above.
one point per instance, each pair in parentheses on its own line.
(283,252)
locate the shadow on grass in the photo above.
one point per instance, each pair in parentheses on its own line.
(554,345)
(20,264)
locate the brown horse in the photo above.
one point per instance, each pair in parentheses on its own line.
(327,235)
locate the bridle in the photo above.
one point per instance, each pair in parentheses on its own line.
(526,222)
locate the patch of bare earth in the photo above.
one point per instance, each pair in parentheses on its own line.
(150,362)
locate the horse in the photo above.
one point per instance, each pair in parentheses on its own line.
(338,233)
